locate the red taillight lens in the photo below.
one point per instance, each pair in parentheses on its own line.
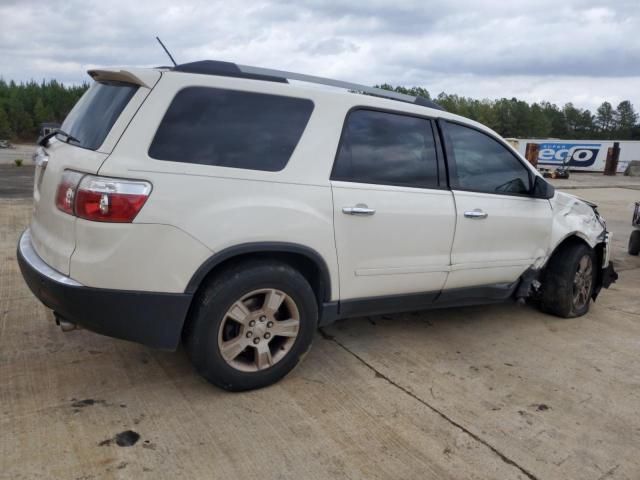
(66,192)
(104,199)
(101,199)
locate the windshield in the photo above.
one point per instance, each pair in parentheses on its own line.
(95,113)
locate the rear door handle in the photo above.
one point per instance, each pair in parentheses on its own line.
(476,213)
(360,209)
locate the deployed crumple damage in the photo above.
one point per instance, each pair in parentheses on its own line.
(574,216)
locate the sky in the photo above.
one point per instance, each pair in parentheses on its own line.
(583,52)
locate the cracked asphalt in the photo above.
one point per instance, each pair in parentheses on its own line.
(498,391)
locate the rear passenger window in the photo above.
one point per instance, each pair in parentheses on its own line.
(231,128)
(387,148)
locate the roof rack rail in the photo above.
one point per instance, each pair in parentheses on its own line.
(228,69)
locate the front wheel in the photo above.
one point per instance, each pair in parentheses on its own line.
(251,324)
(568,281)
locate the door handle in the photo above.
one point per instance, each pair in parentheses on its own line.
(360,209)
(476,213)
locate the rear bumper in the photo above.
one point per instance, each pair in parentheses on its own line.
(150,318)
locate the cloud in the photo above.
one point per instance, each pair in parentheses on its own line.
(580,51)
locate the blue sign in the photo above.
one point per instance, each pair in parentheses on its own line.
(573,154)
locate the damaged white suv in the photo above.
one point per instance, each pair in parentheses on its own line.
(234,209)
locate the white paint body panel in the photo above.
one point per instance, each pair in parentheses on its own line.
(498,248)
(403,248)
(141,257)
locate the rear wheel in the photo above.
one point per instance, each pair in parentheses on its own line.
(251,324)
(634,243)
(568,281)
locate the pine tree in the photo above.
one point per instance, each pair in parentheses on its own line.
(5,128)
(604,117)
(41,113)
(626,119)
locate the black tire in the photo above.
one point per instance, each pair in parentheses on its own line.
(634,243)
(210,310)
(558,295)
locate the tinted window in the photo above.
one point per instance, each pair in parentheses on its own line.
(91,119)
(387,148)
(483,164)
(229,128)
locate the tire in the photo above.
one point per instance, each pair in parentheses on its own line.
(216,331)
(634,243)
(567,283)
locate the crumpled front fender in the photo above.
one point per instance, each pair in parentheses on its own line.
(573,216)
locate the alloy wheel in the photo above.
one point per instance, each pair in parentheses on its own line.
(582,281)
(259,330)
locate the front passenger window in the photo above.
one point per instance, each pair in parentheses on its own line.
(482,164)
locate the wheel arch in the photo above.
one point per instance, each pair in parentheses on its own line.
(572,238)
(309,262)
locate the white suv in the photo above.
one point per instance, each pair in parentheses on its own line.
(239,208)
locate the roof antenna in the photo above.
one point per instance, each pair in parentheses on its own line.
(165,49)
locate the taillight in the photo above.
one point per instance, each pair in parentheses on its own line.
(110,199)
(66,192)
(101,199)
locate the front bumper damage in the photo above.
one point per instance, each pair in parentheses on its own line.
(605,276)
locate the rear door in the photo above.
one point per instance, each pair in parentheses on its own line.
(500,228)
(393,222)
(96,122)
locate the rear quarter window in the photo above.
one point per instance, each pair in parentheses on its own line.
(231,128)
(92,118)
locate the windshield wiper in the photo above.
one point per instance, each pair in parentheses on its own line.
(44,141)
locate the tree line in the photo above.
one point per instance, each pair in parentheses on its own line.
(511,117)
(24,106)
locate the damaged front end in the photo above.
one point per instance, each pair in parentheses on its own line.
(574,220)
(606,274)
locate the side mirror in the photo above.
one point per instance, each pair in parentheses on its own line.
(542,188)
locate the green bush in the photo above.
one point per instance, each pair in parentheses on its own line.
(18,162)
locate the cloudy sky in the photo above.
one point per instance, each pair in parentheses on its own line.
(569,50)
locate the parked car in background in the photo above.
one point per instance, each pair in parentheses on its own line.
(224,206)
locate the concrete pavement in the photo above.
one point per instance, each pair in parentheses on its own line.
(479,392)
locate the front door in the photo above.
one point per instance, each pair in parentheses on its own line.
(393,223)
(501,229)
